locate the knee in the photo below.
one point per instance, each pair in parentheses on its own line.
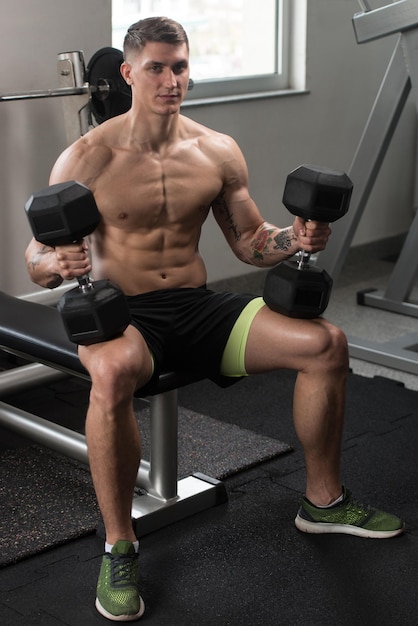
(113,383)
(333,347)
(115,375)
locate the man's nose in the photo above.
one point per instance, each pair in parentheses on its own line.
(170,78)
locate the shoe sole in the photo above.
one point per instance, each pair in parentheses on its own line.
(121,618)
(321,528)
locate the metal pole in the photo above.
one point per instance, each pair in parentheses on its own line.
(72,73)
(47,93)
(59,92)
(371,150)
(64,440)
(27,376)
(48,296)
(56,437)
(163,456)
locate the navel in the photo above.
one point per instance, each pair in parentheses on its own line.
(164,275)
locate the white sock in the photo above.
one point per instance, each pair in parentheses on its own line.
(109,546)
(327,506)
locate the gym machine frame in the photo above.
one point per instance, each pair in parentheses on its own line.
(72,82)
(97,92)
(401,76)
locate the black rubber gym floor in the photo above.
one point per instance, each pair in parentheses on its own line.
(245,563)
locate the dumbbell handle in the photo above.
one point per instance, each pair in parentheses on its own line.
(304,258)
(85,282)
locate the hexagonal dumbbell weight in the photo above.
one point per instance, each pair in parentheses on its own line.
(61,214)
(294,287)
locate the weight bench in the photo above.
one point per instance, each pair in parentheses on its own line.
(34,331)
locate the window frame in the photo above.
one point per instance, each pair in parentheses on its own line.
(238,86)
(289,75)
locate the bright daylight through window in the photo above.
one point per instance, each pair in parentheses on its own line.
(235,47)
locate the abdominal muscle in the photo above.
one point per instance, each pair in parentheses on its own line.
(139,262)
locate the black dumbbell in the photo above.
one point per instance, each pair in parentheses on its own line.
(61,214)
(294,287)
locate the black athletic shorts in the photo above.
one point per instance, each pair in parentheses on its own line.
(187,328)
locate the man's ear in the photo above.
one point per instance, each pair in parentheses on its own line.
(125,70)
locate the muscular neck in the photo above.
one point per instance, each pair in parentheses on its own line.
(151,132)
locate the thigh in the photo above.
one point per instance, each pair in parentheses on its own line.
(203,327)
(279,342)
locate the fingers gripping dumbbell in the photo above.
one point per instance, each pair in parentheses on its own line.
(62,214)
(295,287)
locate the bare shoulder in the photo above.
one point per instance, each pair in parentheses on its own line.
(84,159)
(211,141)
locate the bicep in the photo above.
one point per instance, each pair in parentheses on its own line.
(234,210)
(237,216)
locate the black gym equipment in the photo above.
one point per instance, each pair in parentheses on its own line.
(103,69)
(102,82)
(297,288)
(61,214)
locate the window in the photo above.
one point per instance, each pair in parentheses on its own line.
(237,47)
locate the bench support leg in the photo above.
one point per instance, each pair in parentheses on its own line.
(169,499)
(195,493)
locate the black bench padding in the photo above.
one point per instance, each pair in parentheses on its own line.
(35,331)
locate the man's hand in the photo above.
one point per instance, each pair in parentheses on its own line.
(73,260)
(312,236)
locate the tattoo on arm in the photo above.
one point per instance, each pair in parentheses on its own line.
(53,280)
(262,242)
(221,205)
(37,257)
(284,240)
(266,241)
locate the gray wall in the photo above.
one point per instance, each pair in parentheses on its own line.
(322,126)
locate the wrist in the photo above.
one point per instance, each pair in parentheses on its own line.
(286,242)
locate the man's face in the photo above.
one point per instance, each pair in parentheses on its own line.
(159,76)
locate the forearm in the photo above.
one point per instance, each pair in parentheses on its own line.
(42,265)
(270,245)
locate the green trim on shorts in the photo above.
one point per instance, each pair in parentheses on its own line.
(233,358)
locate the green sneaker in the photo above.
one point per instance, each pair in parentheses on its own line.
(348,517)
(118,597)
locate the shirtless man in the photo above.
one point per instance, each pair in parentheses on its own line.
(155,175)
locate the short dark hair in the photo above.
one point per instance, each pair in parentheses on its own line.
(158,29)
